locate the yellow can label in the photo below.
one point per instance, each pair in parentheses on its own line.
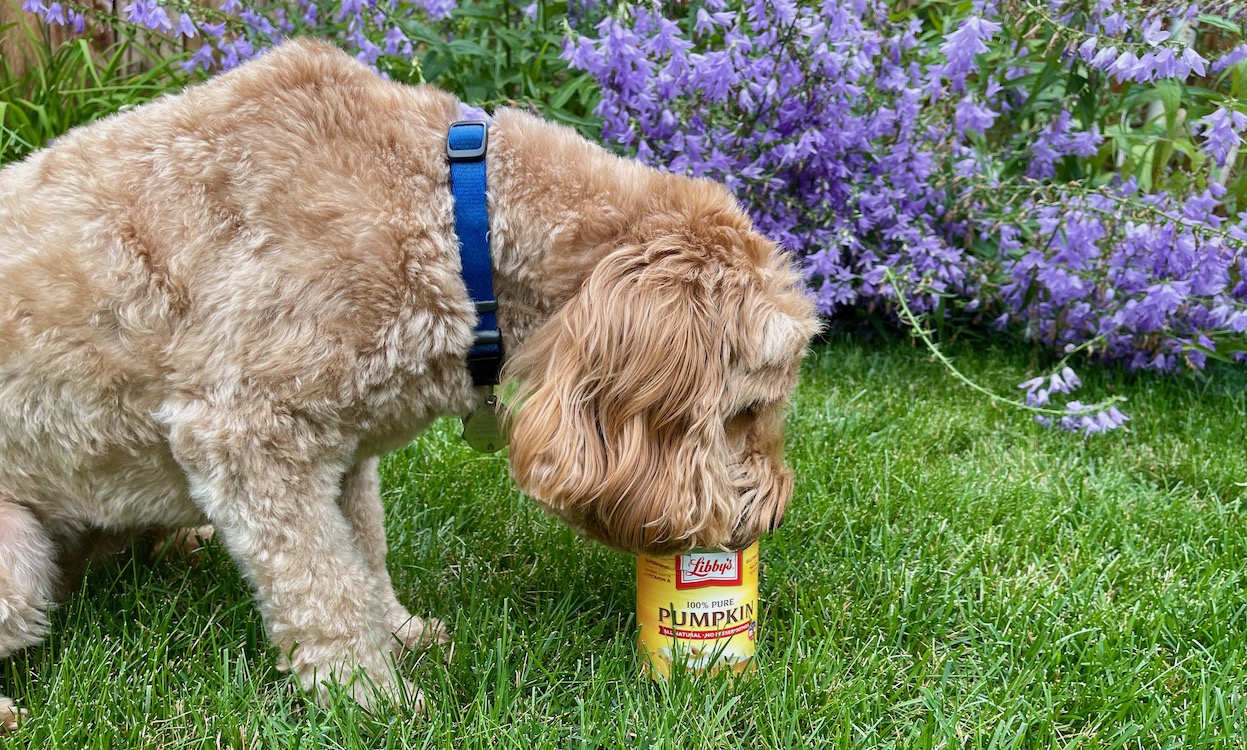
(699,610)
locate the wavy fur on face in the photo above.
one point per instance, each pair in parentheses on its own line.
(221,307)
(622,437)
(647,412)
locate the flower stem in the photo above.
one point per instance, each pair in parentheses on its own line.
(922,333)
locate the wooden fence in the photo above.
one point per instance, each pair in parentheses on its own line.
(16,25)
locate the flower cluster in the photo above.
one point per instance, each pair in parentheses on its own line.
(1156,282)
(1116,230)
(1221,133)
(1073,187)
(860,146)
(1078,417)
(237,31)
(812,113)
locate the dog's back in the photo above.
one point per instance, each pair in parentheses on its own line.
(259,233)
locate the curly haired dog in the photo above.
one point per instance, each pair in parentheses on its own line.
(223,306)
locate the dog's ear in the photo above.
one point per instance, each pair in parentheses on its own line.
(776,317)
(615,406)
(778,339)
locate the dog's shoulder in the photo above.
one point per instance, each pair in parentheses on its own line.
(315,81)
(302,64)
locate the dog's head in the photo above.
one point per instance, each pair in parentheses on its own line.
(648,412)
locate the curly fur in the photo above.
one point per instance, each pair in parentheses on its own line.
(223,306)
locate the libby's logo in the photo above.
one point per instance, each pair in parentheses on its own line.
(707,569)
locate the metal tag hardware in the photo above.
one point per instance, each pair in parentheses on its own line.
(482,429)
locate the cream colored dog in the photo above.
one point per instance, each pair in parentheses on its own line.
(223,306)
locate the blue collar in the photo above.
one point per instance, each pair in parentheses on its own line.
(466,144)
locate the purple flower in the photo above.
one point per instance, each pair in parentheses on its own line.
(1070,378)
(55,14)
(186,26)
(1114,24)
(201,58)
(349,9)
(394,40)
(1165,65)
(258,24)
(1036,394)
(1086,50)
(1052,142)
(1153,34)
(470,112)
(1221,131)
(148,14)
(368,53)
(708,22)
(1086,144)
(1194,61)
(1124,67)
(439,9)
(973,117)
(1104,58)
(1231,58)
(962,45)
(1080,418)
(214,30)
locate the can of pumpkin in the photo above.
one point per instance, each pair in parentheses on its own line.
(698,610)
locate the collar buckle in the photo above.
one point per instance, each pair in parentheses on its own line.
(467,141)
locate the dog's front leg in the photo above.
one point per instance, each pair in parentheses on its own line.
(270,484)
(361,505)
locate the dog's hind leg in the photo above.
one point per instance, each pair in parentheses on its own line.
(361,505)
(28,579)
(181,543)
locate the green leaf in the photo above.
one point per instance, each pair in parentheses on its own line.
(1207,19)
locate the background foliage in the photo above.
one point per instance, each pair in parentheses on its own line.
(1068,170)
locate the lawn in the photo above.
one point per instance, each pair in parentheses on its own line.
(950,575)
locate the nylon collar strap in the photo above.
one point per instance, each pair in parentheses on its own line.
(466,144)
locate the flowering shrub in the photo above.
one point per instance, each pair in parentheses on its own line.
(812,113)
(490,53)
(1062,171)
(1073,173)
(1107,206)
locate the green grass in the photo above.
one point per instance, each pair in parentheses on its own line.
(950,575)
(72,84)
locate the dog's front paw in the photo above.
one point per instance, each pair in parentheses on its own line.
(371,693)
(415,634)
(11,715)
(371,680)
(400,693)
